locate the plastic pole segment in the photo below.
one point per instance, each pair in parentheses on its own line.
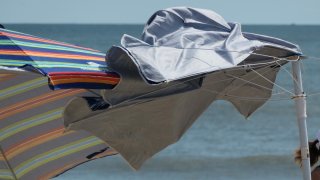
(300,103)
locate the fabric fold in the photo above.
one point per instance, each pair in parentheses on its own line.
(181,42)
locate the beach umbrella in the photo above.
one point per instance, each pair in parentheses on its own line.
(185,59)
(66,65)
(33,141)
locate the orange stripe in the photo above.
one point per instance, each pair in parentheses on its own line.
(4,77)
(29,143)
(74,164)
(82,76)
(44,40)
(60,170)
(115,79)
(102,74)
(65,81)
(36,101)
(81,80)
(50,54)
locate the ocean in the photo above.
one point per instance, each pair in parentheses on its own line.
(221,144)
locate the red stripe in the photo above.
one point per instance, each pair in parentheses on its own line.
(82,77)
(5,77)
(50,54)
(84,73)
(43,40)
(36,100)
(33,141)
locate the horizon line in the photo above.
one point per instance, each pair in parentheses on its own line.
(63,23)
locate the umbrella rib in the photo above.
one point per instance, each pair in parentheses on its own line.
(273,83)
(314,94)
(8,164)
(247,81)
(246,97)
(290,74)
(203,75)
(261,75)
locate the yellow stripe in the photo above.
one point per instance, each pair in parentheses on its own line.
(26,145)
(17,127)
(51,55)
(35,102)
(23,87)
(36,161)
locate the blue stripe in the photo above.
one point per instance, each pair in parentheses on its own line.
(46,71)
(26,40)
(76,146)
(82,85)
(24,58)
(24,87)
(21,62)
(15,32)
(43,118)
(3,37)
(54,59)
(19,47)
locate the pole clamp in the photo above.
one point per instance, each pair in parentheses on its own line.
(305,153)
(303,95)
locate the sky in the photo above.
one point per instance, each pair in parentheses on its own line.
(138,11)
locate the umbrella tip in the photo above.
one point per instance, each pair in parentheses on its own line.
(66,129)
(1,26)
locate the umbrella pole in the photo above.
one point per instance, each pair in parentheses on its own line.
(8,165)
(300,102)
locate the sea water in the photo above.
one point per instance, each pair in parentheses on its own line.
(221,144)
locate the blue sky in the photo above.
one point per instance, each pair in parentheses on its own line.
(138,11)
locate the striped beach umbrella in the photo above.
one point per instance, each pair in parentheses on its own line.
(66,65)
(33,142)
(186,59)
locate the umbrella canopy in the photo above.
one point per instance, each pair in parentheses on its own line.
(66,65)
(186,59)
(33,142)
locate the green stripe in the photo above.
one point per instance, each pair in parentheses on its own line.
(48,64)
(15,32)
(47,46)
(17,127)
(3,177)
(36,161)
(23,87)
(5,174)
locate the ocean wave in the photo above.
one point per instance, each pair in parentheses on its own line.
(193,167)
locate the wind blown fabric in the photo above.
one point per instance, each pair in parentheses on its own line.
(186,59)
(182,42)
(33,141)
(66,65)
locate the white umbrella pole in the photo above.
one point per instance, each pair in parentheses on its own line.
(300,101)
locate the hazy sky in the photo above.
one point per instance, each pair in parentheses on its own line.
(138,11)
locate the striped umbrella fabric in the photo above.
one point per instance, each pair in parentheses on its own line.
(66,65)
(33,141)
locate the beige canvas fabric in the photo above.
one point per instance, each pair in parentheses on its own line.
(144,118)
